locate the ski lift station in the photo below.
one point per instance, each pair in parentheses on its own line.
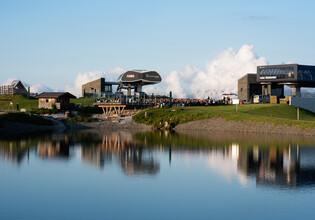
(128,93)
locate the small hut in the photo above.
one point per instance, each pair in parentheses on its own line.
(61,100)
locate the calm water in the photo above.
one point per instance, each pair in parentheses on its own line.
(156,176)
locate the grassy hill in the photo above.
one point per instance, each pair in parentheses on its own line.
(32,103)
(83,101)
(270,113)
(24,102)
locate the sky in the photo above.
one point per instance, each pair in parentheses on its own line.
(59,45)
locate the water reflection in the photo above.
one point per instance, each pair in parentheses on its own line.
(133,157)
(270,162)
(281,167)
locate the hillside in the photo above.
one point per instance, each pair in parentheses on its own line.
(23,102)
(271,113)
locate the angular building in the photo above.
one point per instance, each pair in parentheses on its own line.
(135,79)
(248,87)
(274,77)
(15,88)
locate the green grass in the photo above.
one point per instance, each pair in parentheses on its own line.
(24,118)
(271,113)
(83,101)
(24,102)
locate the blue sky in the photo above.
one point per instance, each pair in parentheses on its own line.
(50,42)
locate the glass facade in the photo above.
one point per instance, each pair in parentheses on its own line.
(305,74)
(276,73)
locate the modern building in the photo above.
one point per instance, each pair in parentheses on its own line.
(59,100)
(274,77)
(248,87)
(98,86)
(135,79)
(15,88)
(130,80)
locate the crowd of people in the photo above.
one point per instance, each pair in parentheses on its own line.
(187,101)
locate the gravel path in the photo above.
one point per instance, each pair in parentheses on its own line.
(220,124)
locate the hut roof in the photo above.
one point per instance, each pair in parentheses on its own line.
(55,95)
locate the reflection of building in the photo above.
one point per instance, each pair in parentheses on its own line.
(53,148)
(133,158)
(13,150)
(287,167)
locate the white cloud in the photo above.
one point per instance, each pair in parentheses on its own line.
(39,88)
(9,81)
(220,75)
(86,77)
(174,84)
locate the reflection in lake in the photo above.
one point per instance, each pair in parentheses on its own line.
(270,163)
(133,157)
(189,176)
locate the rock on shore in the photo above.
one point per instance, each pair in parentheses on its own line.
(220,124)
(124,123)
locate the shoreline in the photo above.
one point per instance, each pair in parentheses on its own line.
(128,124)
(220,124)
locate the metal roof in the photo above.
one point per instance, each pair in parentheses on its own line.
(15,82)
(54,95)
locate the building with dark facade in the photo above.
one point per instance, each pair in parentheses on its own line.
(248,87)
(98,86)
(274,77)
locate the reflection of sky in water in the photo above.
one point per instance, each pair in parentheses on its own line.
(226,165)
(121,176)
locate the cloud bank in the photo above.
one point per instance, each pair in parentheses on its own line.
(219,76)
(86,77)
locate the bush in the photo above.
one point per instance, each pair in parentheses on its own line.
(43,111)
(81,119)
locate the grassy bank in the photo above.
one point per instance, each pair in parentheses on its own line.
(271,113)
(24,102)
(83,101)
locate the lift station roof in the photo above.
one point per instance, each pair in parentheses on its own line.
(143,77)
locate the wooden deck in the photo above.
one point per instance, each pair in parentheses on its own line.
(117,109)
